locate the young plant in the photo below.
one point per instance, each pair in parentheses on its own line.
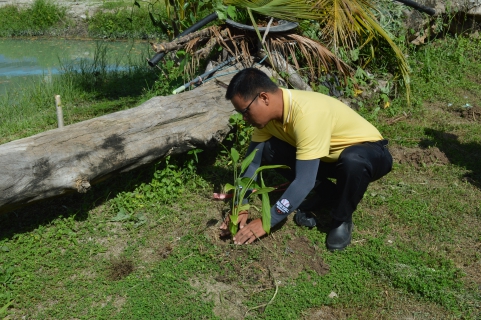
(241,187)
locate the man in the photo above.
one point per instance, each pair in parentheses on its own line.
(318,137)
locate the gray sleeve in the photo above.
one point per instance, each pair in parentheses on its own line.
(306,171)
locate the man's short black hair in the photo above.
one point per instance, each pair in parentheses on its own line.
(249,82)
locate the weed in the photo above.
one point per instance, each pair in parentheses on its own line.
(171,178)
(241,133)
(8,276)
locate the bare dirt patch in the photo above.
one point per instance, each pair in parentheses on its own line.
(227,298)
(281,258)
(272,262)
(419,157)
(120,268)
(471,114)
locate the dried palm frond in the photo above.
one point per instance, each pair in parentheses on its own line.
(348,21)
(317,57)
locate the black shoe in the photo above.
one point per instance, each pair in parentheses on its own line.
(304,219)
(340,235)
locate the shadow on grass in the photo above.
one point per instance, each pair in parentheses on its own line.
(30,217)
(114,84)
(466,155)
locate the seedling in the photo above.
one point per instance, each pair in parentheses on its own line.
(241,187)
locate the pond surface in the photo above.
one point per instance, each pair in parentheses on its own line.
(22,60)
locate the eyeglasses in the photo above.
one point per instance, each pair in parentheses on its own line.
(243,111)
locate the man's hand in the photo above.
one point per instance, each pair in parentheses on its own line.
(251,232)
(242,220)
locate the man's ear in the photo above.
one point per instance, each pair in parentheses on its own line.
(264,96)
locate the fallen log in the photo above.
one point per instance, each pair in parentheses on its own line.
(72,158)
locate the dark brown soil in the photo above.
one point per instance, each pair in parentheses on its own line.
(418,157)
(120,268)
(471,114)
(165,251)
(271,258)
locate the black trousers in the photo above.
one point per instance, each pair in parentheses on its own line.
(356,167)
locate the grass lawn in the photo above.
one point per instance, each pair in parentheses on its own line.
(145,245)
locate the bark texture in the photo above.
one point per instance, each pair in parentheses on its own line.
(72,158)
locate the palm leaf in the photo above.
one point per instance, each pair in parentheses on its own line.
(350,20)
(281,9)
(317,57)
(345,22)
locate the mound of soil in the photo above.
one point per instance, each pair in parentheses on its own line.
(267,259)
(418,157)
(263,265)
(472,114)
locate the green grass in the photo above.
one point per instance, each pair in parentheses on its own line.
(88,89)
(35,20)
(123,22)
(145,244)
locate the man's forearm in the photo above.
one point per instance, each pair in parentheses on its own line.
(306,171)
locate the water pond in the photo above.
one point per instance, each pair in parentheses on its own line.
(23,60)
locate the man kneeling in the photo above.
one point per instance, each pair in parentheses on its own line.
(318,137)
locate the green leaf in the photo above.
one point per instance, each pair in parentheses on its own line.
(246,183)
(121,216)
(247,161)
(228,187)
(137,4)
(243,207)
(3,309)
(234,155)
(274,166)
(231,11)
(221,15)
(355,54)
(233,228)
(266,210)
(264,190)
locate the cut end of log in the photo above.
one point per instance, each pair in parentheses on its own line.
(82,185)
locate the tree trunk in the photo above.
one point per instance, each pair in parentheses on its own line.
(74,157)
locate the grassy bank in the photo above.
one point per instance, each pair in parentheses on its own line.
(38,19)
(110,20)
(146,244)
(106,20)
(88,88)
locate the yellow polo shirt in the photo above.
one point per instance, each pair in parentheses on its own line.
(319,126)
